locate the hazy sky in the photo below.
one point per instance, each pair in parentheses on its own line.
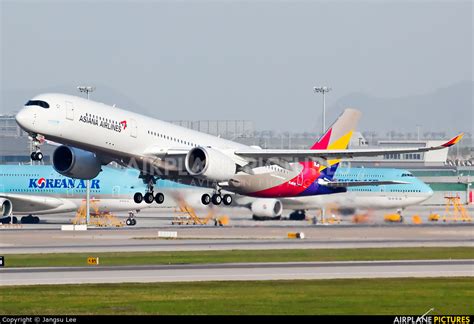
(236,59)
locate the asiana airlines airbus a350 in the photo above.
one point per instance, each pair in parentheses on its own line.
(94,134)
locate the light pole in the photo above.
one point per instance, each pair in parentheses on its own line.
(323,90)
(87,90)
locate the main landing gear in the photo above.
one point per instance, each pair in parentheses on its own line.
(149,196)
(217,198)
(131,221)
(138,197)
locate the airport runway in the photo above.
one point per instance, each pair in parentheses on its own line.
(237,271)
(226,238)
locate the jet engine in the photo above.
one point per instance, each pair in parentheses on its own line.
(76,163)
(6,207)
(210,164)
(266,209)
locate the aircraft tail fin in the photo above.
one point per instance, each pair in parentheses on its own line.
(337,137)
(339,134)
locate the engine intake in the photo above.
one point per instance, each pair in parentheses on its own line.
(210,164)
(76,163)
(6,207)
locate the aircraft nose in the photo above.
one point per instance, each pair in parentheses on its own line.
(24,119)
(430,191)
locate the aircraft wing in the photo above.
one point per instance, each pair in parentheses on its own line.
(318,155)
(172,159)
(161,152)
(31,203)
(339,184)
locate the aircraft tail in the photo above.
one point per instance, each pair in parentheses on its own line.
(337,137)
(339,134)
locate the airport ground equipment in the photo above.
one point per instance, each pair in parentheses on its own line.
(296,235)
(186,215)
(393,218)
(455,210)
(331,219)
(416,219)
(434,217)
(100,219)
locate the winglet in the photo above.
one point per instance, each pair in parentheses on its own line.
(453,141)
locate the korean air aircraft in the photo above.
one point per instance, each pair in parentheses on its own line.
(410,191)
(37,190)
(95,134)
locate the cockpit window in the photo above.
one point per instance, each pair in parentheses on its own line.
(407,175)
(40,103)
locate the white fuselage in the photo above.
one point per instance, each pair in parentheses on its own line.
(357,200)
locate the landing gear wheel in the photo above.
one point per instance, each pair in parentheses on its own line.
(227,199)
(206,199)
(216,199)
(30,219)
(131,222)
(159,198)
(138,197)
(149,198)
(36,156)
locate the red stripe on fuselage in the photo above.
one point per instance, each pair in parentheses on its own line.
(295,186)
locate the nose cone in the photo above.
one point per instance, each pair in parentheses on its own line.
(426,190)
(24,118)
(429,191)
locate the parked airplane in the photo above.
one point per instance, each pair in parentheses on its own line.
(37,190)
(95,134)
(410,191)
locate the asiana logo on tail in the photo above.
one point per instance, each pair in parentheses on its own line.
(44,183)
(93,120)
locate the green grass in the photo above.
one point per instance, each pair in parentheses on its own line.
(341,296)
(145,258)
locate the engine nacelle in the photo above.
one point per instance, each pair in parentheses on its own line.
(210,164)
(76,163)
(266,207)
(6,207)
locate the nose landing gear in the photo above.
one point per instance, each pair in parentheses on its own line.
(131,221)
(36,155)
